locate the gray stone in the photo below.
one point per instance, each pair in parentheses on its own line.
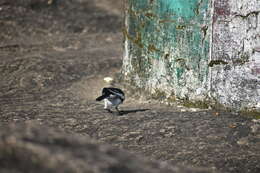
(31,148)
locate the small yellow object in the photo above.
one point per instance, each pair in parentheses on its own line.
(232,126)
(108,79)
(50,2)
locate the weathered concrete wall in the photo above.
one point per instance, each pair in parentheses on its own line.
(235,53)
(194,50)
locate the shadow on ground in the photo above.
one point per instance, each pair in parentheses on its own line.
(125,112)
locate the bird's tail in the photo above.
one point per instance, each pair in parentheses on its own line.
(100,98)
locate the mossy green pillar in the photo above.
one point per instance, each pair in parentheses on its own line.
(167,45)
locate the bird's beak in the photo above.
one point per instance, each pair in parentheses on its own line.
(108,80)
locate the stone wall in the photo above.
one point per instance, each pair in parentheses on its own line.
(235,55)
(206,50)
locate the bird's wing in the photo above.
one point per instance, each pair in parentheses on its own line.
(101,97)
(121,95)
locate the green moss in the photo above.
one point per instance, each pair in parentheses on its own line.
(242,60)
(217,62)
(125,33)
(152,48)
(239,61)
(196,104)
(251,113)
(182,63)
(197,9)
(171,98)
(167,21)
(150,15)
(180,27)
(204,29)
(166,56)
(140,67)
(179,72)
(151,1)
(137,40)
(159,95)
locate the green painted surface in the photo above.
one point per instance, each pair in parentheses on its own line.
(173,34)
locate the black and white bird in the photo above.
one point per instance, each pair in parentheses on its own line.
(112,97)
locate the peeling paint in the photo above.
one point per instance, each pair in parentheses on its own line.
(174,37)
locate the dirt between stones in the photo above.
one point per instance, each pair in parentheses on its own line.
(54,57)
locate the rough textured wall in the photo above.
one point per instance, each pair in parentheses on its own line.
(235,64)
(195,50)
(167,46)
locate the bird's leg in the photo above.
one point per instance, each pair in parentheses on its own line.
(106,106)
(118,111)
(108,110)
(105,103)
